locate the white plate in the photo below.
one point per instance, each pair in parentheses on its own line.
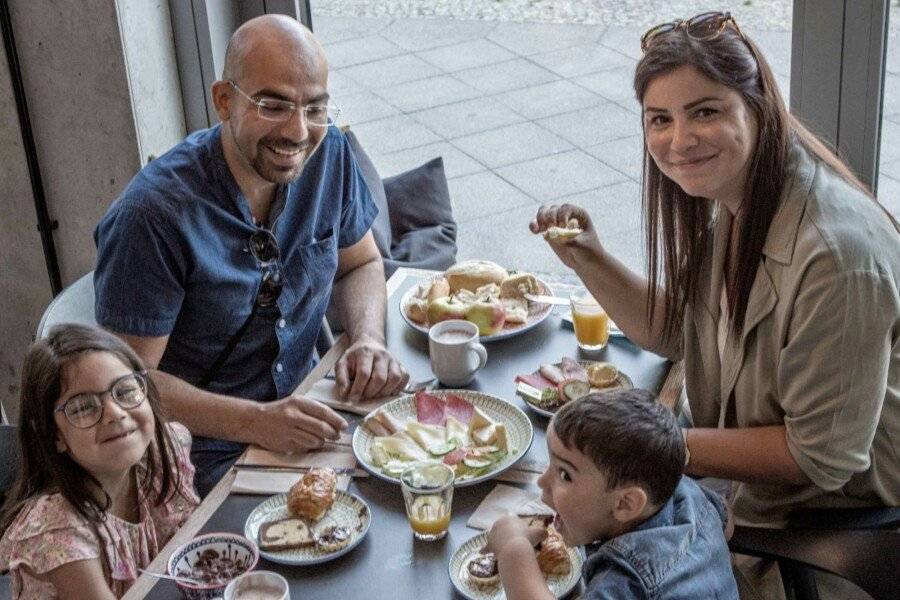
(560,585)
(623,382)
(537,312)
(347,511)
(518,430)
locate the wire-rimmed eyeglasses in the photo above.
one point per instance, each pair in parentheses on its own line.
(270,109)
(705,26)
(85,410)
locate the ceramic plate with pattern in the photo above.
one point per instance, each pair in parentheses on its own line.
(347,511)
(623,382)
(560,585)
(537,312)
(518,430)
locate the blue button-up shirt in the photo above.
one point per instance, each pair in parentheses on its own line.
(680,553)
(173,259)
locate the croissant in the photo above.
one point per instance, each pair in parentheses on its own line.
(553,556)
(311,497)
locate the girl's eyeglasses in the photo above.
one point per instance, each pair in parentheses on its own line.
(85,410)
(705,26)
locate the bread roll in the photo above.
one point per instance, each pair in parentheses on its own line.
(440,288)
(515,286)
(472,274)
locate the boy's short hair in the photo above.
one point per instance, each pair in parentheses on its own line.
(631,438)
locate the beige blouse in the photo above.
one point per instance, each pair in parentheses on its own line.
(819,351)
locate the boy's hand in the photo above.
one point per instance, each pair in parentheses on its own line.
(510,528)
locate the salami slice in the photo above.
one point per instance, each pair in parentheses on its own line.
(452,458)
(460,408)
(430,409)
(572,369)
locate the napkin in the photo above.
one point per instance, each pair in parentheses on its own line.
(506,500)
(267,483)
(325,391)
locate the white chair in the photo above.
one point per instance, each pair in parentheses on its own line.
(75,304)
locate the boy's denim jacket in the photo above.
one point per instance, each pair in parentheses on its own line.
(680,552)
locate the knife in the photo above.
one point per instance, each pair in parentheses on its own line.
(355,472)
(547,299)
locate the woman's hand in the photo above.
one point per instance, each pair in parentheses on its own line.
(583,249)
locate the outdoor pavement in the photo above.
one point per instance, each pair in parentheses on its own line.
(523,114)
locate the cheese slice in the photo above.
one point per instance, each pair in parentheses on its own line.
(456,429)
(427,436)
(395,446)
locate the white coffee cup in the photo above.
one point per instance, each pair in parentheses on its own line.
(455,352)
(258,585)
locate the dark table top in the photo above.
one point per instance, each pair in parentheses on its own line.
(390,563)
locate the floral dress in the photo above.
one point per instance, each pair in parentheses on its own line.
(48,532)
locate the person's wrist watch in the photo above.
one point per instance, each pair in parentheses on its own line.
(687,450)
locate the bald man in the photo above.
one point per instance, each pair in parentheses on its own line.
(216,263)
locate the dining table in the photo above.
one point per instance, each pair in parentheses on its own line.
(390,563)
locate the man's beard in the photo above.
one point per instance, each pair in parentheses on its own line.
(269,172)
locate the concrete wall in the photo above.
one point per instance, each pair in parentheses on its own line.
(83,61)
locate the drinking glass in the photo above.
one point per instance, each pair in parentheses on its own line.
(428,494)
(590,320)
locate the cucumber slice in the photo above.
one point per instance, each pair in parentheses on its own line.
(395,467)
(445,448)
(476,463)
(574,389)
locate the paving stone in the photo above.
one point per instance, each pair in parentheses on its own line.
(466,55)
(337,29)
(890,141)
(889,194)
(424,34)
(613,209)
(891,169)
(363,107)
(554,98)
(426,93)
(532,38)
(392,71)
(624,155)
(360,50)
(776,48)
(483,194)
(581,60)
(341,84)
(463,118)
(892,95)
(594,125)
(393,134)
(627,247)
(552,177)
(626,40)
(510,75)
(615,85)
(456,162)
(512,144)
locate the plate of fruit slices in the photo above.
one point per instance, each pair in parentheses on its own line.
(537,313)
(546,390)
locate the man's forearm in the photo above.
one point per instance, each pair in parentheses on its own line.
(205,413)
(361,299)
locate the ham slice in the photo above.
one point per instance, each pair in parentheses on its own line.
(536,380)
(571,369)
(460,408)
(430,409)
(553,373)
(455,457)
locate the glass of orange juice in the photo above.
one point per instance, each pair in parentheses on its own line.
(590,320)
(428,494)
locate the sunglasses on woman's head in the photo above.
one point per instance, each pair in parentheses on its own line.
(705,26)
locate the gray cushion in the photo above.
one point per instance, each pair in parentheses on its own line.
(381,227)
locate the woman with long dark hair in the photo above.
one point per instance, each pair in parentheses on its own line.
(772,272)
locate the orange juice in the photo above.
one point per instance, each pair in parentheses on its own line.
(429,516)
(591,323)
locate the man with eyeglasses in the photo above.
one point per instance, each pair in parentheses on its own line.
(216,263)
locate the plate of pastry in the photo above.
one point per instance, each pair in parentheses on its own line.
(546,390)
(477,434)
(479,291)
(313,523)
(474,573)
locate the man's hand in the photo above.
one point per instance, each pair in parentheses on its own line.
(580,250)
(368,370)
(296,424)
(508,530)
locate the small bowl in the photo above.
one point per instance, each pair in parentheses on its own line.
(227,545)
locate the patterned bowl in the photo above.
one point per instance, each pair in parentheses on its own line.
(221,556)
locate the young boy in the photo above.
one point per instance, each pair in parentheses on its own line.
(615,482)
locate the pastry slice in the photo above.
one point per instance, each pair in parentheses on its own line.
(482,570)
(333,538)
(553,556)
(285,534)
(311,497)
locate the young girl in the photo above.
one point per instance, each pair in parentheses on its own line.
(104,483)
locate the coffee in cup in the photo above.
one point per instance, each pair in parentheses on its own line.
(456,355)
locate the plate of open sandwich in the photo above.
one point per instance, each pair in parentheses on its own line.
(477,434)
(552,385)
(474,573)
(481,292)
(313,523)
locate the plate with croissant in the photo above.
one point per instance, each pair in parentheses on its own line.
(479,291)
(313,523)
(474,573)
(546,390)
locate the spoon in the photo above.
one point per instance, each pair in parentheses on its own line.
(172,577)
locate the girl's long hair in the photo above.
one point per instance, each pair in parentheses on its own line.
(42,468)
(679,226)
